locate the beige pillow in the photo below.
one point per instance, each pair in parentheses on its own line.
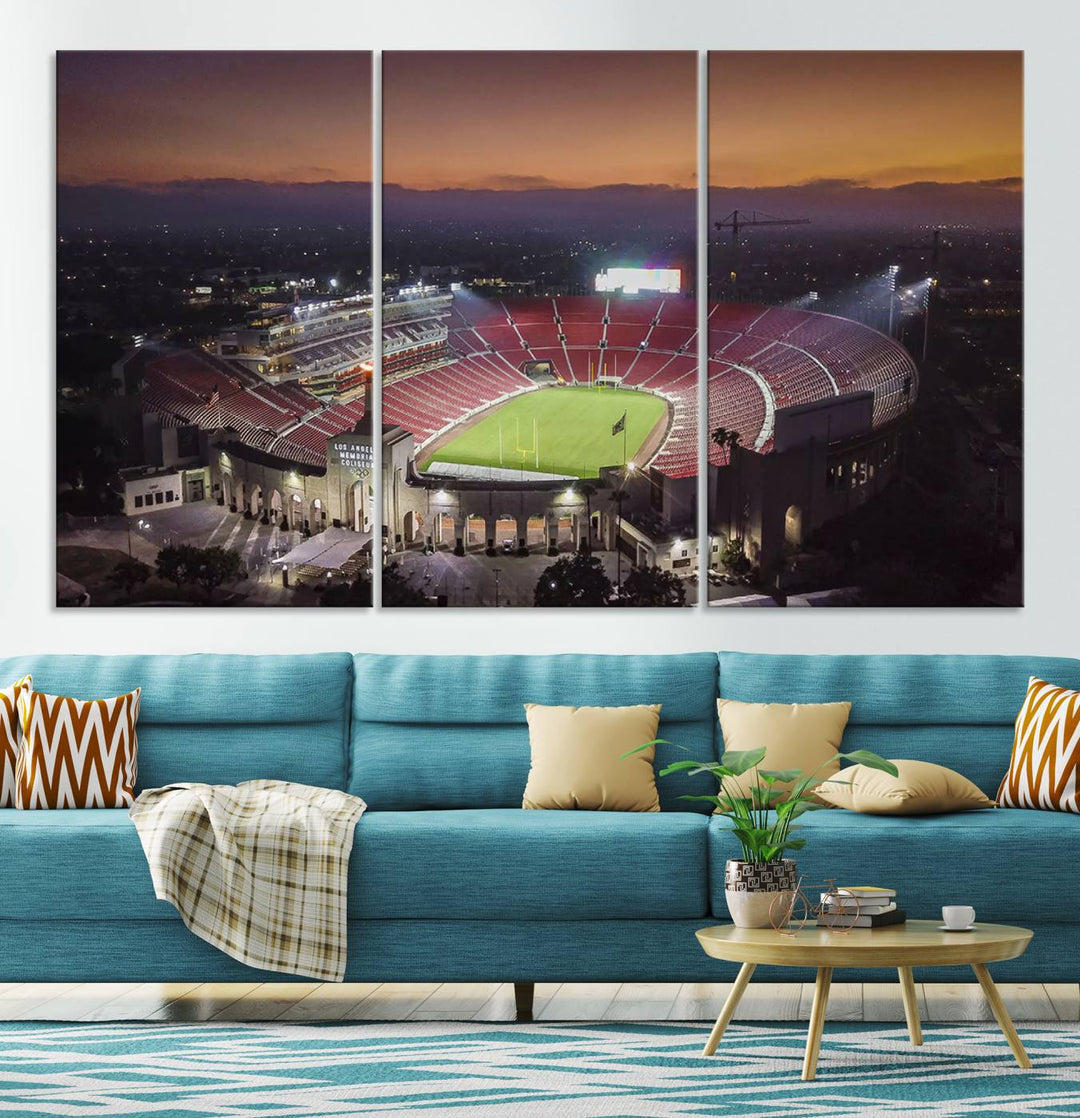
(794,735)
(921,788)
(576,755)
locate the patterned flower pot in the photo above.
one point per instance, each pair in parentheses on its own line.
(751,889)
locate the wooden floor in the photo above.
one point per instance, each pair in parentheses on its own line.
(487,1001)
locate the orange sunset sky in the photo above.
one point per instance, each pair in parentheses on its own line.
(510,120)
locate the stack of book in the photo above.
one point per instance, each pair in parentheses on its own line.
(860,906)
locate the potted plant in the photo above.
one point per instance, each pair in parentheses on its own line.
(763,822)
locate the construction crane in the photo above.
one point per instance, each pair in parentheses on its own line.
(936,247)
(738,219)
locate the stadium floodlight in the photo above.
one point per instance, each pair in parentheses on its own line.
(570,495)
(631,466)
(676,542)
(442,495)
(333,281)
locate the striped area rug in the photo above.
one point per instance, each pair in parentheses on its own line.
(541,1070)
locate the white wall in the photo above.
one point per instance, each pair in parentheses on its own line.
(1047,31)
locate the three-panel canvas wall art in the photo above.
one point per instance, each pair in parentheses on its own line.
(521,389)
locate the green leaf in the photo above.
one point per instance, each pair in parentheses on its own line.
(803,806)
(647,745)
(779,774)
(739,761)
(704,799)
(872,761)
(676,766)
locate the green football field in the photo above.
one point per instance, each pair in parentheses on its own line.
(557,431)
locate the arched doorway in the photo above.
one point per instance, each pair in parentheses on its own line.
(275,506)
(295,518)
(793,526)
(227,489)
(318,515)
(255,501)
(238,495)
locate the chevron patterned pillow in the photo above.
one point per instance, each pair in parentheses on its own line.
(9,738)
(75,752)
(1044,771)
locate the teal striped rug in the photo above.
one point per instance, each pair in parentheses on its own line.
(533,1071)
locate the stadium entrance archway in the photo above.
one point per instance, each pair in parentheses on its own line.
(318,516)
(535,531)
(296,517)
(255,501)
(275,507)
(474,532)
(227,490)
(793,526)
(412,526)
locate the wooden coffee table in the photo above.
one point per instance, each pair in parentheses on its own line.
(918,943)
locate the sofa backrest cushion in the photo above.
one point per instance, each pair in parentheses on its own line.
(450,731)
(218,719)
(957,711)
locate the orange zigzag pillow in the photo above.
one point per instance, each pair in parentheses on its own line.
(77,753)
(1044,770)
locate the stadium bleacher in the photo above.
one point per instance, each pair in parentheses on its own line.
(760,359)
(441,367)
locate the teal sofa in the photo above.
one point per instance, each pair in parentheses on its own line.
(451,881)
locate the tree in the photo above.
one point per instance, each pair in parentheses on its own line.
(215,566)
(178,564)
(618,495)
(355,593)
(728,439)
(396,590)
(577,580)
(128,574)
(733,556)
(651,586)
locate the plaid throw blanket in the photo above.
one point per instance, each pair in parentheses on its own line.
(258,869)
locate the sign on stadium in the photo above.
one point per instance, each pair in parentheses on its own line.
(632,281)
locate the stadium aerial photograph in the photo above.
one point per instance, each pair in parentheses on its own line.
(539,379)
(214,349)
(865,345)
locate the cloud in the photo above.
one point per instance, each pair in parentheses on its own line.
(518,182)
(834,184)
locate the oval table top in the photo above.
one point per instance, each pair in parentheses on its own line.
(918,943)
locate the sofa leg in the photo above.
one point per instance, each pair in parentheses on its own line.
(523,1000)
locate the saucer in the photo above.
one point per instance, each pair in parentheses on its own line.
(946,928)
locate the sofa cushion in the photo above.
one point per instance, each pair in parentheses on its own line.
(512,864)
(495,864)
(72,865)
(1008,864)
(219,719)
(450,731)
(958,711)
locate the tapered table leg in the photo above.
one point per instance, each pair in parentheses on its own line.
(1001,1014)
(817,1022)
(732,1003)
(911,1004)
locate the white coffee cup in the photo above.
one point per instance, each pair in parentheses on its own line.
(957,916)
